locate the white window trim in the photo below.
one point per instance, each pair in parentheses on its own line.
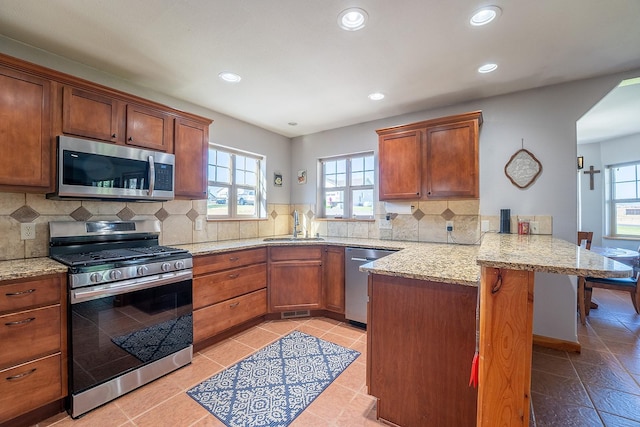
(611,201)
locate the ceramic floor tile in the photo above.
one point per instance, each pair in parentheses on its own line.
(554,365)
(107,415)
(200,369)
(549,413)
(611,420)
(147,397)
(227,352)
(609,376)
(615,402)
(179,410)
(256,337)
(560,389)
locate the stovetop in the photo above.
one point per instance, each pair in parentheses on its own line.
(85,259)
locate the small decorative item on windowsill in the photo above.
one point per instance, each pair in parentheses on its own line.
(302,176)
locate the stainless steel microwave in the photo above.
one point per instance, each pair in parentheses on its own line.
(97,170)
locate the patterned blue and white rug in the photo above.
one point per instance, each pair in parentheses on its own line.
(273,386)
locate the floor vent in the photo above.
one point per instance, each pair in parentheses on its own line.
(292,314)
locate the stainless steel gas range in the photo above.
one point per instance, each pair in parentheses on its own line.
(130,307)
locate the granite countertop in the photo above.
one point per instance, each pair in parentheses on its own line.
(448,263)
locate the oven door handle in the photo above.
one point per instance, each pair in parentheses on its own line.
(127,286)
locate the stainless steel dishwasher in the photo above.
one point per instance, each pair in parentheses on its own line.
(356,281)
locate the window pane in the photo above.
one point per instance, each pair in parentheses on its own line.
(217,203)
(357,164)
(357,178)
(368,163)
(625,190)
(362,202)
(625,173)
(330,167)
(341,180)
(341,166)
(246,202)
(628,219)
(334,204)
(368,178)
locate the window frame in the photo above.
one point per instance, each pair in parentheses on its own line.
(233,186)
(613,202)
(348,189)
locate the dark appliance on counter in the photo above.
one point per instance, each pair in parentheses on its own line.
(96,170)
(130,307)
(356,282)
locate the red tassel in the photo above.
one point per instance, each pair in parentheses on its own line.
(473,379)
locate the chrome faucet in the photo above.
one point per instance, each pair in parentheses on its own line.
(296,224)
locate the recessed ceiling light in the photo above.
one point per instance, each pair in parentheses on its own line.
(487,68)
(485,15)
(376,96)
(230,77)
(352,19)
(292,124)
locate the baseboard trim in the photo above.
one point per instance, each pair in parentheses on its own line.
(556,344)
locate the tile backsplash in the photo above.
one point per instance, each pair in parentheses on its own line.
(426,222)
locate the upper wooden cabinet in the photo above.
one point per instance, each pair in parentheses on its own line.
(191,148)
(25,132)
(93,115)
(433,159)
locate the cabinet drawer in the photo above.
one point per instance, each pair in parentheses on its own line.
(288,253)
(29,386)
(212,263)
(216,318)
(31,333)
(29,293)
(217,287)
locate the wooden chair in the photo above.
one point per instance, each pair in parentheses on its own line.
(628,284)
(583,236)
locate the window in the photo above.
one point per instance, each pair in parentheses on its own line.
(625,200)
(347,186)
(234,184)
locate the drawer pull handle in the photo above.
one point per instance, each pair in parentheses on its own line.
(17,294)
(22,375)
(234,258)
(234,276)
(234,305)
(20,322)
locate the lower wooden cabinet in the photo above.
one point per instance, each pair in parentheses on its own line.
(420,345)
(333,279)
(33,366)
(295,278)
(228,289)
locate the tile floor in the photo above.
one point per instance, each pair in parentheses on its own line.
(599,387)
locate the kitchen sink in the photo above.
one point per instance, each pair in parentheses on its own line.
(293,239)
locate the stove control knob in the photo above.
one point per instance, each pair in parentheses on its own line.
(165,266)
(95,277)
(115,274)
(143,270)
(179,265)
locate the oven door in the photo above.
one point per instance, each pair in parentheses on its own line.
(117,330)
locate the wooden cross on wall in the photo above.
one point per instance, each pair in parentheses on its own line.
(591,172)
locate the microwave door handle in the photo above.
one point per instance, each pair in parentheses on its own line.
(152,175)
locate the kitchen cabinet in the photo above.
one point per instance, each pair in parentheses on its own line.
(99,116)
(429,327)
(191,150)
(333,279)
(33,365)
(295,278)
(432,159)
(228,290)
(25,129)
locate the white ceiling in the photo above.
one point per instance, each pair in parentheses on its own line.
(298,66)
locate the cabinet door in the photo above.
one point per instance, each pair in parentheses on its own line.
(25,127)
(333,280)
(451,167)
(149,128)
(191,148)
(91,115)
(295,285)
(400,163)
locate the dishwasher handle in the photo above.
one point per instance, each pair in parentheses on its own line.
(364,259)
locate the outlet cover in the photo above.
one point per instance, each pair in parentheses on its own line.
(449,225)
(534,227)
(484,225)
(28,231)
(198,224)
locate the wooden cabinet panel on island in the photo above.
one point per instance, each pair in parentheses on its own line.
(228,289)
(333,279)
(432,159)
(431,327)
(295,278)
(33,365)
(25,127)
